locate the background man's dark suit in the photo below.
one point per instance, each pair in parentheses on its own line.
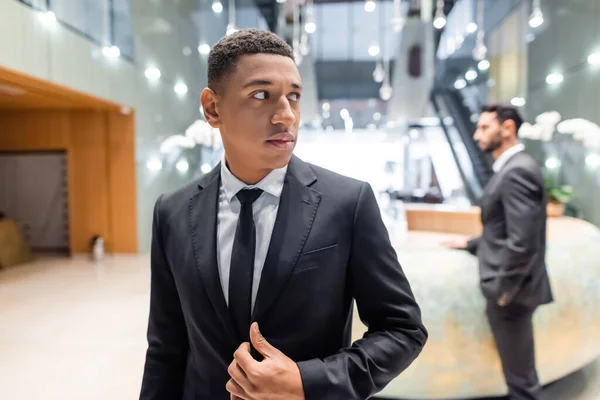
(513,272)
(329,245)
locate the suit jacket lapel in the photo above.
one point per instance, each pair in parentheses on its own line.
(203,219)
(297,209)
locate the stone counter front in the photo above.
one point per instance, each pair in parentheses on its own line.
(460,359)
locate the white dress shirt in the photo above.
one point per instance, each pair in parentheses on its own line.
(264,210)
(507,155)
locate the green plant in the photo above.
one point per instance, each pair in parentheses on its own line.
(557,193)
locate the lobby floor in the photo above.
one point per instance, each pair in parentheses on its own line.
(71,329)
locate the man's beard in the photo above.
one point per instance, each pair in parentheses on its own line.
(494,144)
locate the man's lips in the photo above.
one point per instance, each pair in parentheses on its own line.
(282,140)
(282,137)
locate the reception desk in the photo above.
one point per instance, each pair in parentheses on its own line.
(460,359)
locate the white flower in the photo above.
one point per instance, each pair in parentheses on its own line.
(581,129)
(172,142)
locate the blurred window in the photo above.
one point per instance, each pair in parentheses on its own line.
(104,22)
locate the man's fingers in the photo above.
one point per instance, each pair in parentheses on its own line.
(236,390)
(239,376)
(244,359)
(260,343)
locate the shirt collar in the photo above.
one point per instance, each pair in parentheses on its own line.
(507,155)
(272,183)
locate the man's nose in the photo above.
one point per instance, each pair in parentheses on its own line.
(284,114)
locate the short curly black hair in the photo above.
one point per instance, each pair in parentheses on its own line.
(225,54)
(504,113)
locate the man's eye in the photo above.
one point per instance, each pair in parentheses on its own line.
(260,96)
(295,97)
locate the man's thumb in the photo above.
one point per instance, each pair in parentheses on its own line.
(260,343)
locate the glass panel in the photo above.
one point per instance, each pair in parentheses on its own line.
(71,13)
(123,26)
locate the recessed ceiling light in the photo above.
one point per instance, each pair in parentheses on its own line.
(11,90)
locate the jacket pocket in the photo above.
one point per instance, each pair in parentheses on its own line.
(316,258)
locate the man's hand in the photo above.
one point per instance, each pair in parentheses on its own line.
(456,244)
(277,377)
(503,300)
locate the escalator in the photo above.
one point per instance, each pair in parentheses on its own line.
(474,165)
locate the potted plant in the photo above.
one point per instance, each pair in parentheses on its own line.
(558,196)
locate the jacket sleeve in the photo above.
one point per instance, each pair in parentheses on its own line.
(522,197)
(386,305)
(473,245)
(166,357)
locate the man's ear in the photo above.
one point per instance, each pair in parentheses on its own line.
(209,100)
(509,128)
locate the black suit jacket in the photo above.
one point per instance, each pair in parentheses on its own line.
(512,248)
(329,246)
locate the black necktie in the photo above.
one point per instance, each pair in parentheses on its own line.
(242,264)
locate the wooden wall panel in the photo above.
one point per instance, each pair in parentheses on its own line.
(122,188)
(101,168)
(88,186)
(22,130)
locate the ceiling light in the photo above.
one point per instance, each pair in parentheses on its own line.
(217,7)
(552,163)
(205,168)
(303,48)
(203,49)
(378,73)
(344,113)
(594,59)
(310,27)
(537,18)
(281,1)
(326,114)
(154,164)
(48,18)
(326,106)
(152,73)
(182,166)
(530,37)
(554,79)
(374,50)
(11,90)
(377,116)
(472,27)
(439,22)
(593,160)
(111,52)
(370,6)
(385,92)
(460,84)
(181,88)
(398,23)
(483,65)
(230,29)
(480,51)
(518,101)
(471,75)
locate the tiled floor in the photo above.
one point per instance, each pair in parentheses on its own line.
(72,329)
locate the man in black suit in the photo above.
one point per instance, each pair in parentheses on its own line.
(512,248)
(268,241)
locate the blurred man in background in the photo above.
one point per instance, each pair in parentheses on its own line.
(512,248)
